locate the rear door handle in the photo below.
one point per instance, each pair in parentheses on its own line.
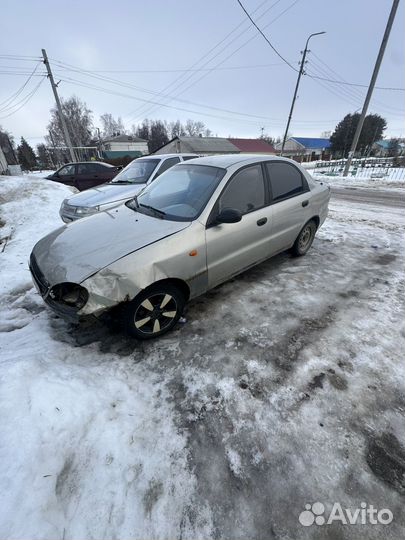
(305,203)
(262,221)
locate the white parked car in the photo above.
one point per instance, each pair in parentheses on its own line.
(128,183)
(196,226)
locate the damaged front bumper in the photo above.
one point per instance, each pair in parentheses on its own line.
(70,313)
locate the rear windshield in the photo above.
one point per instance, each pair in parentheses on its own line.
(137,172)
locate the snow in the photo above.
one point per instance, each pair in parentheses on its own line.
(388,181)
(285,386)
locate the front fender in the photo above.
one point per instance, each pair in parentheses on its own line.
(180,256)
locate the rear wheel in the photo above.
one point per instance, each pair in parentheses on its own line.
(154,311)
(304,239)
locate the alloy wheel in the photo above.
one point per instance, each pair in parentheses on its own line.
(155,313)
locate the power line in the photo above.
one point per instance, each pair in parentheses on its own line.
(144,90)
(7,101)
(231,54)
(27,99)
(344,81)
(352,92)
(265,37)
(19,58)
(201,113)
(178,82)
(179,70)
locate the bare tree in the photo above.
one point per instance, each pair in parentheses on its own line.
(194,128)
(176,129)
(79,123)
(111,126)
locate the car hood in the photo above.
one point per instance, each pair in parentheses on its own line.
(75,251)
(107,193)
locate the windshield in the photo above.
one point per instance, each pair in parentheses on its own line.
(179,194)
(137,172)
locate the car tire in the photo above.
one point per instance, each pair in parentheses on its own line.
(154,311)
(304,239)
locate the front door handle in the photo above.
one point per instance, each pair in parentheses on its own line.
(305,203)
(262,221)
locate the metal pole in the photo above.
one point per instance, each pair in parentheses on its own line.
(300,72)
(371,86)
(59,106)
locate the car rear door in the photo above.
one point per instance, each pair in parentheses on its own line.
(233,247)
(291,203)
(88,176)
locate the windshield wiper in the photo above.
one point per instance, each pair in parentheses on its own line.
(156,211)
(120,182)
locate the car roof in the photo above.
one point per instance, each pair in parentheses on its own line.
(86,163)
(163,156)
(225,161)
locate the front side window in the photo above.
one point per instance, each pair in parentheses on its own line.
(180,194)
(167,164)
(137,172)
(69,169)
(285,179)
(245,192)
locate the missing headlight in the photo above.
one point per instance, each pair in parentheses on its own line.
(70,294)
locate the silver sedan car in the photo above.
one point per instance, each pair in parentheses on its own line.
(200,223)
(128,183)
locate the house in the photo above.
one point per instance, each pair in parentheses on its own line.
(388,147)
(3,162)
(8,158)
(123,145)
(215,145)
(253,146)
(305,148)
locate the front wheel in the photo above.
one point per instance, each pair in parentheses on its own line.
(154,311)
(304,239)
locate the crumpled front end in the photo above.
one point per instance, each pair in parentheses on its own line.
(167,259)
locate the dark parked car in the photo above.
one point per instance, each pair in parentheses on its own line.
(84,175)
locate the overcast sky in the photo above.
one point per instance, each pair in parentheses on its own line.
(149,41)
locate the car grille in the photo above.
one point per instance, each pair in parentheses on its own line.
(68,211)
(38,276)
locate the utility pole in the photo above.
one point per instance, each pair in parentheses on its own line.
(62,118)
(300,73)
(371,86)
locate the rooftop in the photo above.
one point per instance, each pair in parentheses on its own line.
(253,145)
(312,142)
(123,138)
(207,144)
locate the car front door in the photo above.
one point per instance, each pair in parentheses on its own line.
(233,247)
(67,175)
(291,204)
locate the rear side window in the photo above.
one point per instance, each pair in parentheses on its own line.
(83,169)
(245,192)
(167,164)
(186,158)
(285,179)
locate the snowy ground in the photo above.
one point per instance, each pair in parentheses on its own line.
(284,387)
(386,178)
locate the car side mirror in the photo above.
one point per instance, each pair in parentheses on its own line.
(229,215)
